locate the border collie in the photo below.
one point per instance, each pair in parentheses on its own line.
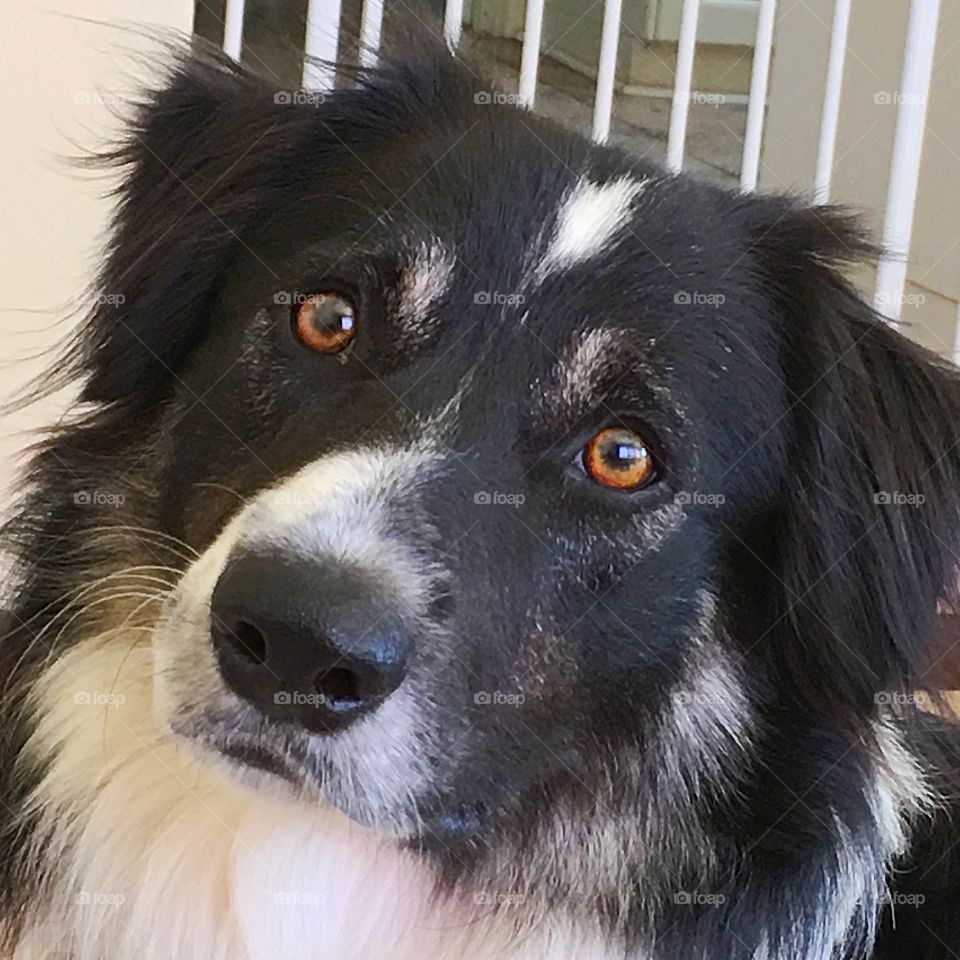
(473,543)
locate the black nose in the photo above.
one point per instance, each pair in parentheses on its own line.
(308,643)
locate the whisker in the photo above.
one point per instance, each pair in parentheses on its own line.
(224,488)
(112,581)
(79,591)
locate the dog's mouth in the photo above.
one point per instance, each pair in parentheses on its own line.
(268,760)
(260,758)
(256,755)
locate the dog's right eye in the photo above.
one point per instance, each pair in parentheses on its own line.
(325,322)
(618,459)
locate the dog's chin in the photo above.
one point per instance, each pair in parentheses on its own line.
(283,766)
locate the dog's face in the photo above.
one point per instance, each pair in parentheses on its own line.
(507,459)
(456,455)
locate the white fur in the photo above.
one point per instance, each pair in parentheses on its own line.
(706,734)
(901,790)
(156,855)
(591,217)
(336,508)
(588,360)
(153,851)
(421,285)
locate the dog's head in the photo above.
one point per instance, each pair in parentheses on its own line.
(523,476)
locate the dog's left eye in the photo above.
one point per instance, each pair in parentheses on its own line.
(325,322)
(619,459)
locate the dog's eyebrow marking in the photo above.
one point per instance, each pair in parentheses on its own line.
(579,373)
(423,281)
(591,216)
(588,360)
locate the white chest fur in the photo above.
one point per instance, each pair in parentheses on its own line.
(153,855)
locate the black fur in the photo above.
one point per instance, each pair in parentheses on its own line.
(786,396)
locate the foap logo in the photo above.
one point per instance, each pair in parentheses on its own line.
(698,298)
(887,98)
(690,698)
(897,899)
(499,899)
(495,298)
(290,499)
(897,498)
(99,98)
(697,899)
(699,98)
(291,298)
(497,698)
(697,498)
(900,698)
(487,97)
(901,299)
(300,98)
(97,698)
(99,898)
(487,498)
(295,898)
(98,498)
(297,698)
(101,298)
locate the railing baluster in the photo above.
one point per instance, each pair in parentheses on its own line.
(322,39)
(530,59)
(913,95)
(607,70)
(233,28)
(682,81)
(371,25)
(830,116)
(757,107)
(956,339)
(453,22)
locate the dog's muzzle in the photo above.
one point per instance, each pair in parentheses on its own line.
(311,642)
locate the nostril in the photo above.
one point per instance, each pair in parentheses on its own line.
(340,688)
(247,641)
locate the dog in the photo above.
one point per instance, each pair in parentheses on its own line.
(471,541)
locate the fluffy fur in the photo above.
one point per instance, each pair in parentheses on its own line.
(673,722)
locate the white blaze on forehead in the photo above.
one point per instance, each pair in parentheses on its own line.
(591,217)
(422,283)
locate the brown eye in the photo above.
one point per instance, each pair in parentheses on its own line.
(325,322)
(619,459)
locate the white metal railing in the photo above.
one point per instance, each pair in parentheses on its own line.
(757,106)
(830,116)
(607,70)
(233,28)
(371,24)
(530,58)
(321,46)
(453,22)
(907,150)
(321,42)
(682,82)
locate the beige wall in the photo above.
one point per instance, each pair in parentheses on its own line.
(58,74)
(865,140)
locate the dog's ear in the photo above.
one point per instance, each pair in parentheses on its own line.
(189,181)
(869,541)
